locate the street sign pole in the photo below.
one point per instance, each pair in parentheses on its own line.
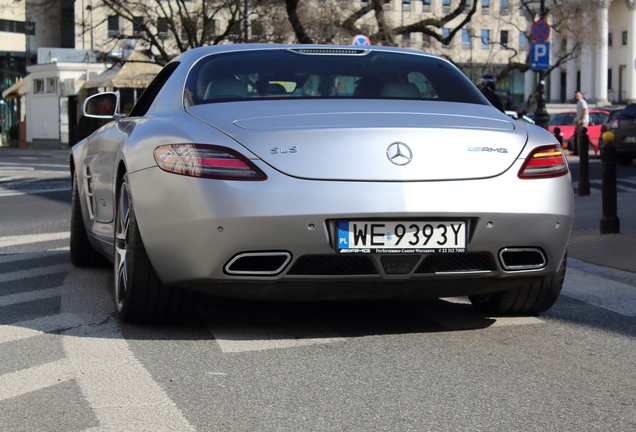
(541,116)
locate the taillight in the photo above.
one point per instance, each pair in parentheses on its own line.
(544,162)
(198,160)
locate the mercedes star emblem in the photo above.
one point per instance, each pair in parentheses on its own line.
(399,153)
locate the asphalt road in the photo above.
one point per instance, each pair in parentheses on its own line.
(67,364)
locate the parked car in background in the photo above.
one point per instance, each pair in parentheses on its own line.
(623,124)
(566,121)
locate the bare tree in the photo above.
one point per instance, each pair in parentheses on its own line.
(385,33)
(174,26)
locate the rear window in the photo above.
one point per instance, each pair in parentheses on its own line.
(563,119)
(316,74)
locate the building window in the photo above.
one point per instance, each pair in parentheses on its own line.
(38,86)
(485,7)
(465,39)
(446,6)
(485,39)
(138,26)
(406,5)
(503,7)
(235,30)
(426,5)
(113,26)
(188,27)
(445,34)
(162,26)
(609,39)
(625,37)
(406,40)
(523,41)
(503,38)
(609,79)
(51,85)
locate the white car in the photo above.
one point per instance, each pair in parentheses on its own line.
(317,173)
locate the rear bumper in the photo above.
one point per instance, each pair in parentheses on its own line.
(192,228)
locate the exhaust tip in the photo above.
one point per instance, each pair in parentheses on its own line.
(515,259)
(258,263)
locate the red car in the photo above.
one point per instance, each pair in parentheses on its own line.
(566,121)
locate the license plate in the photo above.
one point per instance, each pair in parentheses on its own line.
(401,237)
(630,139)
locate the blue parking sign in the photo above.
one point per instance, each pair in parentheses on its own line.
(540,55)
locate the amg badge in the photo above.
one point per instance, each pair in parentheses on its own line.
(487,149)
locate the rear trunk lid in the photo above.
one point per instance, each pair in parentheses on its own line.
(372,140)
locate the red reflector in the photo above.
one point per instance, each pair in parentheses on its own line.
(545,162)
(198,160)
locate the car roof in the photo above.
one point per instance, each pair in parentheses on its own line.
(194,54)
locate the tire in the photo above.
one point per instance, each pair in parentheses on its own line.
(83,254)
(140,297)
(529,299)
(624,160)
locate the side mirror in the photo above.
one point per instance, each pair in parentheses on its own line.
(101,105)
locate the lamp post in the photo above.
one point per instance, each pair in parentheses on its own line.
(245,22)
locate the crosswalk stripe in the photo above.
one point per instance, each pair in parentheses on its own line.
(32,238)
(36,327)
(36,378)
(599,291)
(12,299)
(32,255)
(42,271)
(253,338)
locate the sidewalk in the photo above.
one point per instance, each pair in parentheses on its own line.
(617,251)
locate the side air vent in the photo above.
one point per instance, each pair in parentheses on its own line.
(258,263)
(522,259)
(329,51)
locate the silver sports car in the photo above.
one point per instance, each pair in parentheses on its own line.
(316,173)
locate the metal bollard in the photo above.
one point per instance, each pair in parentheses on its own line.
(583,142)
(610,223)
(557,134)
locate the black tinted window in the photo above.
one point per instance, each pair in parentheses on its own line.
(628,112)
(281,73)
(148,96)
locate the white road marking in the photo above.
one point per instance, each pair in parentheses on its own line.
(29,296)
(32,238)
(36,378)
(42,271)
(612,295)
(121,392)
(36,327)
(515,321)
(30,172)
(251,338)
(31,255)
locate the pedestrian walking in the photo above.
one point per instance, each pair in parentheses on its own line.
(487,85)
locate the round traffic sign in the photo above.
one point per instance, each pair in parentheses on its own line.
(361,40)
(540,31)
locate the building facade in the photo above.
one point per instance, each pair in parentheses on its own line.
(596,37)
